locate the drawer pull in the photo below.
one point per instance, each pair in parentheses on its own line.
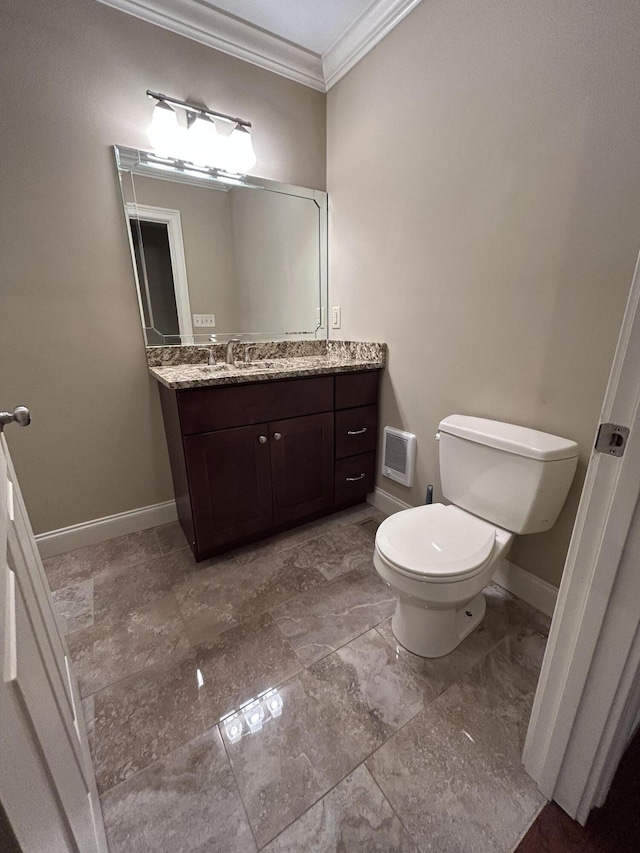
(277,436)
(262,439)
(353,479)
(356,431)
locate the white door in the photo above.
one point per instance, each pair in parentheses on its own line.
(588,700)
(47,786)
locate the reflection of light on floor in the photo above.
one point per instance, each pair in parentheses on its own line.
(252,715)
(468,735)
(199,678)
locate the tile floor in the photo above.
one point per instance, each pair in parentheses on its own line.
(368,748)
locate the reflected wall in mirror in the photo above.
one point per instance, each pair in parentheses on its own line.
(223,255)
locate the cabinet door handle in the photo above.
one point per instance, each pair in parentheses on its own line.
(277,436)
(353,479)
(262,439)
(356,431)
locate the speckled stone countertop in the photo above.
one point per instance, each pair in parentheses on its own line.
(187,366)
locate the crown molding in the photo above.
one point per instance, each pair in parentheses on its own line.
(363,35)
(206,25)
(229,35)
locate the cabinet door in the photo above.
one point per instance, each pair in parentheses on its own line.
(230,478)
(301,466)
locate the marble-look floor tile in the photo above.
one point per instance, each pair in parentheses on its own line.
(93,560)
(89,714)
(337,550)
(144,717)
(504,614)
(73,605)
(385,684)
(465,749)
(354,816)
(299,535)
(334,714)
(320,621)
(118,594)
(104,654)
(171,537)
(540,622)
(274,546)
(186,803)
(224,594)
(244,661)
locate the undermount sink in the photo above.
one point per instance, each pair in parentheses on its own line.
(263,364)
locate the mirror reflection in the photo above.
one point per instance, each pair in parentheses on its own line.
(216,256)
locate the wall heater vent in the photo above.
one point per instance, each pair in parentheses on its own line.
(398,455)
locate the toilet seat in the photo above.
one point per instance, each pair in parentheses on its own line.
(436,543)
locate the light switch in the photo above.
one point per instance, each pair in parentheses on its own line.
(336,317)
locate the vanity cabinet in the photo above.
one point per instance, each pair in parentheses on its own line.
(252,459)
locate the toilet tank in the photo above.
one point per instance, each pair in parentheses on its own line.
(512,476)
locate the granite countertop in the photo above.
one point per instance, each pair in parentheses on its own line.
(290,361)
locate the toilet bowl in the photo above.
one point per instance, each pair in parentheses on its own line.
(437,559)
(500,480)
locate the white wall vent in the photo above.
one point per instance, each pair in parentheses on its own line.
(398,455)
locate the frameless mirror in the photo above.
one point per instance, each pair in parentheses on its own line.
(217,255)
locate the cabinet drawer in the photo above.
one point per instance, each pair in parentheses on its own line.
(357,389)
(208,409)
(350,484)
(356,431)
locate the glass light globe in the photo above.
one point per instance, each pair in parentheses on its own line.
(238,155)
(164,129)
(203,142)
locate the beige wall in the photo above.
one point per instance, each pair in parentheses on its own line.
(205,215)
(485,218)
(73,76)
(275,241)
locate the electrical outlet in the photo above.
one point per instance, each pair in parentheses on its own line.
(204,319)
(336,317)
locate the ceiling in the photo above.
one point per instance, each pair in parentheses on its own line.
(314,42)
(308,23)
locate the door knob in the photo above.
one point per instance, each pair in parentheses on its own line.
(262,439)
(277,436)
(20,415)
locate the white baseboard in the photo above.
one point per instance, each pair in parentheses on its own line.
(100,529)
(385,502)
(528,587)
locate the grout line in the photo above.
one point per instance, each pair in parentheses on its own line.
(235,779)
(388,802)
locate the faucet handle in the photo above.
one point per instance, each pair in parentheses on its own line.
(247,350)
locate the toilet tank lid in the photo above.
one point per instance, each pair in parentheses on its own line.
(510,438)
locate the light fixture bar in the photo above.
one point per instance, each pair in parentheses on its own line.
(193,108)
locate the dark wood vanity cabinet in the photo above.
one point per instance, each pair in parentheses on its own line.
(249,460)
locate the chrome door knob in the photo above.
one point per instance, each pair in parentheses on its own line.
(262,439)
(20,415)
(277,436)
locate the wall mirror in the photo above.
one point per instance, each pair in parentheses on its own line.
(217,255)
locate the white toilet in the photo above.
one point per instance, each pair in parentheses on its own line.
(501,480)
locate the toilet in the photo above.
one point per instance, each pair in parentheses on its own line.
(500,480)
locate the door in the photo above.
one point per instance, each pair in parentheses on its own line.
(47,786)
(229,473)
(301,466)
(588,700)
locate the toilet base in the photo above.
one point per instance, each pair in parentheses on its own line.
(432,633)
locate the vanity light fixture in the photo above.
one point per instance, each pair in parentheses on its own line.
(164,129)
(201,142)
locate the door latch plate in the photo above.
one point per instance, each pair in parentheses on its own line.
(612,439)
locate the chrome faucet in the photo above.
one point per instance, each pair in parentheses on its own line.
(229,353)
